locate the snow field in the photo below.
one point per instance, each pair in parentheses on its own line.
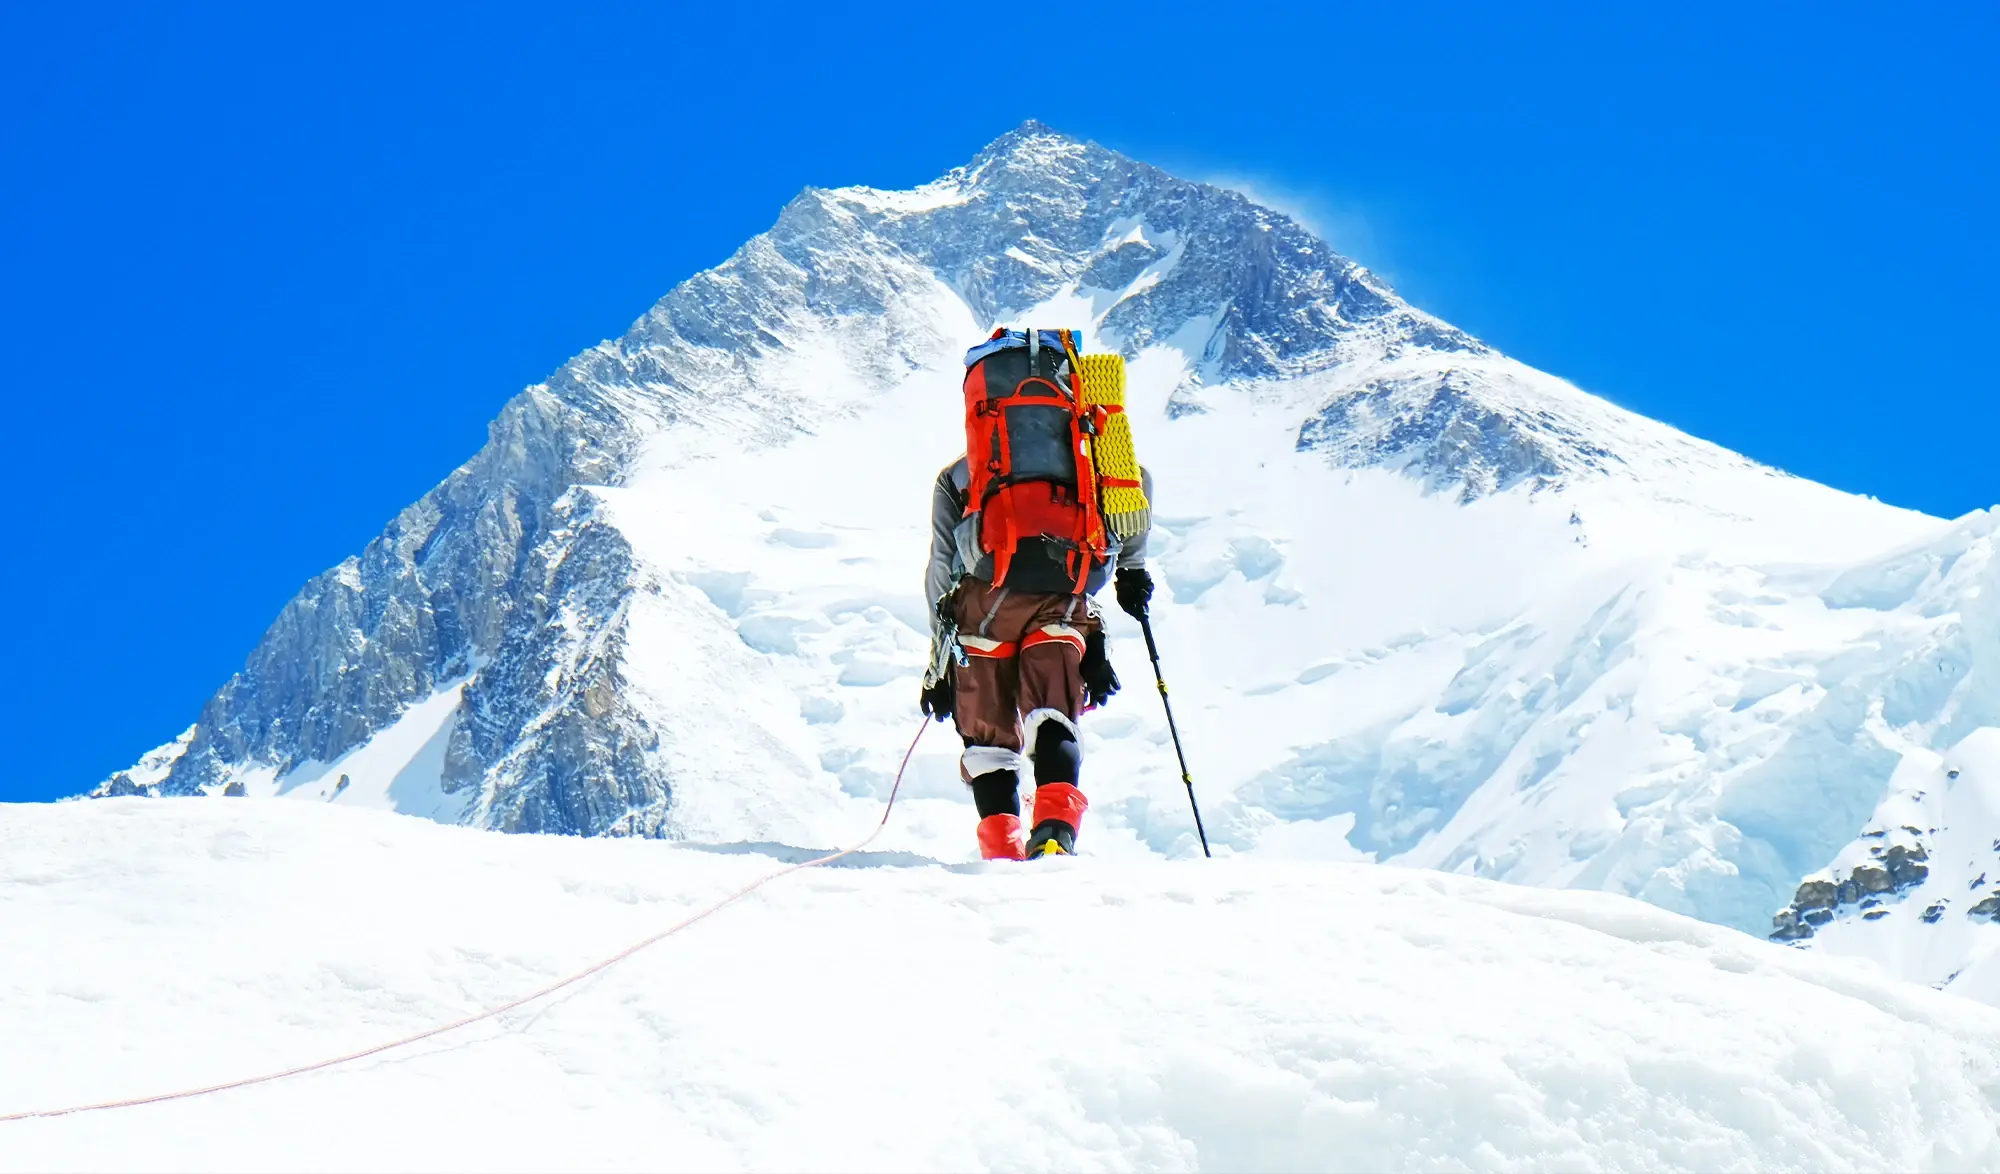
(396,770)
(900,1013)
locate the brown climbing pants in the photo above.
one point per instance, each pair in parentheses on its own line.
(1023,655)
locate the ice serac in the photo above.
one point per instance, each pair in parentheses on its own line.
(1425,604)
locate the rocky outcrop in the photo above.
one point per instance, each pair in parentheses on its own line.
(1898,869)
(424,602)
(546,732)
(1439,428)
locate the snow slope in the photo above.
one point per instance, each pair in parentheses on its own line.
(1421,604)
(906,1013)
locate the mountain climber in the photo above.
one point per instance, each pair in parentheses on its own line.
(1019,544)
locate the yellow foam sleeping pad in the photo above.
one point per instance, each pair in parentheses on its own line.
(1123,497)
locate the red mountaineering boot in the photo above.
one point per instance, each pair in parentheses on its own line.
(1000,838)
(1058,813)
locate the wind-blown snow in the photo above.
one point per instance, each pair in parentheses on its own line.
(903,1013)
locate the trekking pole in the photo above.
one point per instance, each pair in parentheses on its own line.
(1153,650)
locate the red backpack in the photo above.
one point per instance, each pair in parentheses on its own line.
(1032,485)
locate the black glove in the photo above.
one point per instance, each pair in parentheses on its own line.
(1135,589)
(1100,681)
(937,697)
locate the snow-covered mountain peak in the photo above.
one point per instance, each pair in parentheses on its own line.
(1035,159)
(1251,299)
(1030,146)
(1428,605)
(1037,213)
(1241,298)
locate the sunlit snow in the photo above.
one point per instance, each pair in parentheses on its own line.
(896,1013)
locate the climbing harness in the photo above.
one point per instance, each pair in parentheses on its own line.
(524,1000)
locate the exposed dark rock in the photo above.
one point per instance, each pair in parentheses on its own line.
(120,786)
(1900,868)
(1440,429)
(1786,927)
(1816,894)
(1871,878)
(1906,866)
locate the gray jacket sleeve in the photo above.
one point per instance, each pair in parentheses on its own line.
(1133,552)
(947,505)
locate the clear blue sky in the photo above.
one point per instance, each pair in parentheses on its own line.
(270,270)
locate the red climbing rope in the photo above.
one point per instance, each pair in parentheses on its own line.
(524,1000)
